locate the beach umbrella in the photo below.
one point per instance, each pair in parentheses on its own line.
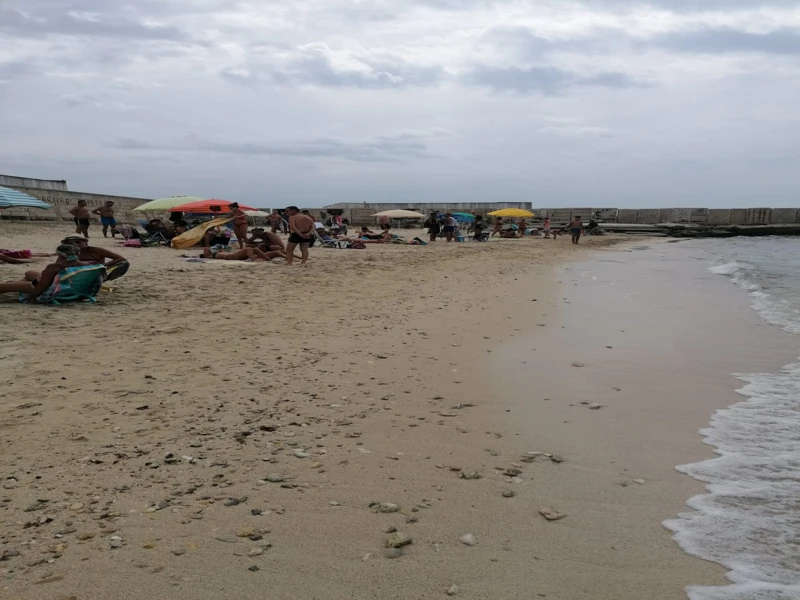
(256,213)
(400,214)
(512,212)
(208,207)
(11,198)
(461,216)
(169,203)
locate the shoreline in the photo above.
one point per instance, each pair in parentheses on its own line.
(391,395)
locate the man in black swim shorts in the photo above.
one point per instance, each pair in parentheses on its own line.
(301,232)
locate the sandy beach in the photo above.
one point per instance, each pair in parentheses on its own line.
(243,430)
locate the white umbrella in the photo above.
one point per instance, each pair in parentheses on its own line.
(256,213)
(400,214)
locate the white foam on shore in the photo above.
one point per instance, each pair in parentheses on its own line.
(772,309)
(749,519)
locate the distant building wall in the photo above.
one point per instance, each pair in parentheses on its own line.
(27,182)
(62,201)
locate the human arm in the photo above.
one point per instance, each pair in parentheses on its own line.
(14,261)
(45,281)
(97,211)
(113,257)
(74,211)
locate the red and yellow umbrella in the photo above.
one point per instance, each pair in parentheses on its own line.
(208,207)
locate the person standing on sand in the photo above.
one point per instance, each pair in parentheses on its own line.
(107,219)
(239,224)
(301,232)
(80,215)
(450,225)
(383,221)
(546,228)
(432,223)
(575,228)
(274,221)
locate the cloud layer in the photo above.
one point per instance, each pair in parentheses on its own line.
(603,102)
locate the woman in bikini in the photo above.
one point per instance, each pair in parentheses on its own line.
(239,224)
(498,227)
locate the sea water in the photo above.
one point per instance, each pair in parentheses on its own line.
(749,518)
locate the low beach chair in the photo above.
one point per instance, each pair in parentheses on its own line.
(73,284)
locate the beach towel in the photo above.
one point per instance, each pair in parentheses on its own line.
(194,235)
(71,284)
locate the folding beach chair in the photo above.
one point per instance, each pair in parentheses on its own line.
(73,284)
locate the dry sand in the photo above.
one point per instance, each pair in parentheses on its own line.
(139,437)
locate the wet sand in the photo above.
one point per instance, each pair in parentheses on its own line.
(141,437)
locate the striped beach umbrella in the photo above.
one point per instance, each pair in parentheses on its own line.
(11,198)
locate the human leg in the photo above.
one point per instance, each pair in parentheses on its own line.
(303,253)
(290,252)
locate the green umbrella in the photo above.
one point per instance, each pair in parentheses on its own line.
(167,203)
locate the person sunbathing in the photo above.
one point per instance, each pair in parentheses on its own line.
(222,253)
(19,257)
(35,283)
(508,234)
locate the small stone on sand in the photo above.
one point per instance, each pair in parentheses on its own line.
(397,540)
(452,590)
(393,552)
(468,540)
(551,515)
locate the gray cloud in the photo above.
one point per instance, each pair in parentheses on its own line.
(13,70)
(312,65)
(780,41)
(379,149)
(14,21)
(542,80)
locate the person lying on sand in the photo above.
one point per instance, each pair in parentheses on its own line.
(368,234)
(36,283)
(508,234)
(221,253)
(116,265)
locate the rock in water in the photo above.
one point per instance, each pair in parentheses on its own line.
(397,540)
(551,515)
(468,540)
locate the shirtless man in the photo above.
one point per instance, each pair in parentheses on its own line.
(107,219)
(261,237)
(275,221)
(80,215)
(116,266)
(576,228)
(301,232)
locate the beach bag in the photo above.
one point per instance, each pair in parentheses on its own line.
(132,243)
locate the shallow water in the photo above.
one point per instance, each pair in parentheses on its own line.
(749,520)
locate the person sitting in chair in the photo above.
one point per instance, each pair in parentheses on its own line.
(35,283)
(116,266)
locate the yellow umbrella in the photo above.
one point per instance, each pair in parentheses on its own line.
(512,212)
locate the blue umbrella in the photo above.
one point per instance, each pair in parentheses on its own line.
(10,198)
(460,217)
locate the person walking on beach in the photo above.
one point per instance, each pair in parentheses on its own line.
(239,224)
(576,228)
(432,223)
(546,228)
(107,219)
(80,215)
(301,231)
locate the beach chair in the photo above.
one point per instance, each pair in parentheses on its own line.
(340,244)
(73,284)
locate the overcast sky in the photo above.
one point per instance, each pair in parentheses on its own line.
(588,103)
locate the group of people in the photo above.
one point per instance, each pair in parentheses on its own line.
(72,254)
